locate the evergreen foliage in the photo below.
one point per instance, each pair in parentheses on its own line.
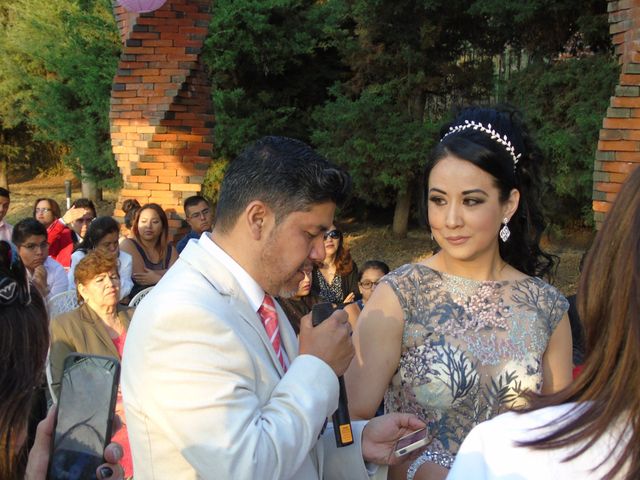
(564,103)
(59,59)
(271,62)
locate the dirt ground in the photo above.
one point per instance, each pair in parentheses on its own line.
(366,242)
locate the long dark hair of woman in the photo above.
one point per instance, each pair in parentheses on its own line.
(343,261)
(608,388)
(24,342)
(97,230)
(522,251)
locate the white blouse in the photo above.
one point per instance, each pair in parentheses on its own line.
(489,452)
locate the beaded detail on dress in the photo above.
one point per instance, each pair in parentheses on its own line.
(470,349)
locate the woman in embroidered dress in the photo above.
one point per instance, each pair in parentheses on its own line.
(335,280)
(459,338)
(149,247)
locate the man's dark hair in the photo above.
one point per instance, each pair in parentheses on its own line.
(4,193)
(285,174)
(194,200)
(26,228)
(84,203)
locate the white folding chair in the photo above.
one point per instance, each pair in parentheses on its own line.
(62,303)
(137,298)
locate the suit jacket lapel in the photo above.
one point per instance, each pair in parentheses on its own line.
(226,284)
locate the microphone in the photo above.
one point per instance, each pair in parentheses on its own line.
(340,418)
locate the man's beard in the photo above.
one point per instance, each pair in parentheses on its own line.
(271,264)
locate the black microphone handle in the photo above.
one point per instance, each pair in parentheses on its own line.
(341,420)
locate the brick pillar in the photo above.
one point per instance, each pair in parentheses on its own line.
(161,116)
(619,145)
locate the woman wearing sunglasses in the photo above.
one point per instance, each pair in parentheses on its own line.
(335,280)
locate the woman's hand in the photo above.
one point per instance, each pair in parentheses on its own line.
(148,277)
(38,461)
(349,298)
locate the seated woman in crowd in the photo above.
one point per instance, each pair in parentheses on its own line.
(591,429)
(370,274)
(59,236)
(98,326)
(301,303)
(336,279)
(103,235)
(24,342)
(49,277)
(149,247)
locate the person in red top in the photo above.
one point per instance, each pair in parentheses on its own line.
(47,212)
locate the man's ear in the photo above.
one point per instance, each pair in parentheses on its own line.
(257,216)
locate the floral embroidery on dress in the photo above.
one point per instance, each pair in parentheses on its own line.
(471,349)
(329,292)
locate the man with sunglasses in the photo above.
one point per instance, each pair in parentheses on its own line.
(199,217)
(215,383)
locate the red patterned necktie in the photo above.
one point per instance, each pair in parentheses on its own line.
(269,316)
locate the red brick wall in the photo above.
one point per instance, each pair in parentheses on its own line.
(619,145)
(161,116)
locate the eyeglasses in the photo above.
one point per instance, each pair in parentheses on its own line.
(43,210)
(367,284)
(33,246)
(202,214)
(85,220)
(335,234)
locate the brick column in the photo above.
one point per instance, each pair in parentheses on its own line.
(619,145)
(161,116)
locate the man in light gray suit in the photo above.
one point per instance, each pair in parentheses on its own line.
(215,383)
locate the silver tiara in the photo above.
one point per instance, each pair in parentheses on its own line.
(504,141)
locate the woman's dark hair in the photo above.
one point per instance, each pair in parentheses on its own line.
(607,390)
(98,229)
(163,241)
(344,262)
(373,265)
(130,206)
(522,250)
(26,228)
(53,205)
(24,342)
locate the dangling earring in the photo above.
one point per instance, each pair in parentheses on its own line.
(505,233)
(431,236)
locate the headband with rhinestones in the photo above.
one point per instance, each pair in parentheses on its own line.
(504,141)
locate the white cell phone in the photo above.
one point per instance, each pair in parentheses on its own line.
(411,442)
